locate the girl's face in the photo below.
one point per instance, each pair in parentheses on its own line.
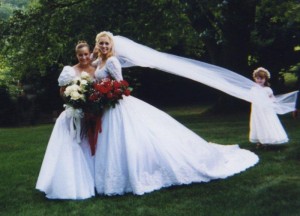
(105,45)
(83,56)
(260,80)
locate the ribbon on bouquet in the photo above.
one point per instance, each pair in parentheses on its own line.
(75,124)
(94,127)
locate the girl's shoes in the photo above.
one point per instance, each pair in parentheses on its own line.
(261,146)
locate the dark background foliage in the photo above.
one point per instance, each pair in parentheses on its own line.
(37,37)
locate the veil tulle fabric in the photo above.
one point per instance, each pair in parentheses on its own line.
(131,54)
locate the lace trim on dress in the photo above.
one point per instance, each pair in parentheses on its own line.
(114,68)
(116,183)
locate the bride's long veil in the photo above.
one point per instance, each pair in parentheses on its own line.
(131,54)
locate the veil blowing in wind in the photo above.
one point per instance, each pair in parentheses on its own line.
(131,54)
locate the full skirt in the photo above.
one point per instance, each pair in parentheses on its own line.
(265,126)
(142,149)
(67,168)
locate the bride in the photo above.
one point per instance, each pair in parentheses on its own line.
(142,149)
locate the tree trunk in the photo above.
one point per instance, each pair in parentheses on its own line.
(227,40)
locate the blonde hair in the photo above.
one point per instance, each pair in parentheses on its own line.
(262,73)
(111,39)
(81,44)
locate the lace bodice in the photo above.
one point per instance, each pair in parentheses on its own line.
(111,68)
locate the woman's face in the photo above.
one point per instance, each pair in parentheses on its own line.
(260,80)
(83,56)
(105,45)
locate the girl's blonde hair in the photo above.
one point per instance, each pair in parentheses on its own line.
(81,44)
(262,73)
(111,39)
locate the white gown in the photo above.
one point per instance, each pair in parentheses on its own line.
(67,168)
(265,126)
(142,149)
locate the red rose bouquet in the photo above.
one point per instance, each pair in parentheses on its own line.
(103,94)
(107,92)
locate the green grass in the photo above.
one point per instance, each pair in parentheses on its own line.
(272,187)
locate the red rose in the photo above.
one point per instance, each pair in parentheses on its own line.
(97,86)
(107,83)
(102,89)
(124,83)
(117,91)
(127,92)
(109,95)
(116,84)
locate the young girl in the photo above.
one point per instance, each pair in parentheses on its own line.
(265,126)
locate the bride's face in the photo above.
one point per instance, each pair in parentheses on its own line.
(104,45)
(83,56)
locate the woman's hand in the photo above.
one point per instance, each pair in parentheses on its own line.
(95,52)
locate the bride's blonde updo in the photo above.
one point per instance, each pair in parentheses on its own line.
(81,44)
(111,39)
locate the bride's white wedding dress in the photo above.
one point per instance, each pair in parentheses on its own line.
(141,149)
(67,168)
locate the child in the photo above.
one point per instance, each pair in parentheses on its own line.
(265,126)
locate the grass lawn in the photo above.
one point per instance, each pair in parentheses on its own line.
(272,187)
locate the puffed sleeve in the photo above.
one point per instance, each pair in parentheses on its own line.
(114,68)
(66,76)
(270,94)
(269,91)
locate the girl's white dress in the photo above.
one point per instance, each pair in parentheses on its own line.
(67,168)
(142,149)
(265,126)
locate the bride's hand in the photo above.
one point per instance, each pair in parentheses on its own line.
(96,51)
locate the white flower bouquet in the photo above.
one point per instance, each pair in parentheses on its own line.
(76,93)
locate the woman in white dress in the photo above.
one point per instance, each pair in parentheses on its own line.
(265,126)
(67,168)
(142,149)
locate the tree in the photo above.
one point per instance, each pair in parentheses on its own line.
(43,37)
(225,28)
(233,34)
(276,35)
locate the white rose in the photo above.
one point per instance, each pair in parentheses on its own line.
(84,75)
(83,85)
(84,82)
(71,88)
(75,95)
(68,91)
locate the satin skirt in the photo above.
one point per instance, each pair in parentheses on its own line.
(67,170)
(142,149)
